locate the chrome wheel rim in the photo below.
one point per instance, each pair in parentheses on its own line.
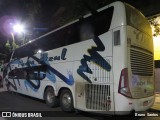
(50,97)
(66,100)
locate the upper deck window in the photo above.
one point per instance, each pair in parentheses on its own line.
(84,29)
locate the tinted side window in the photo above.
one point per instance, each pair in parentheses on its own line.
(85,29)
(27,50)
(62,37)
(31,73)
(36,72)
(96,24)
(18,73)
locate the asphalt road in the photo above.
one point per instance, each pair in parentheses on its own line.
(16,103)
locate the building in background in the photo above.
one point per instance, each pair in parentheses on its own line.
(157,76)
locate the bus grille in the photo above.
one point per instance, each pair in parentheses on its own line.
(98,97)
(141,63)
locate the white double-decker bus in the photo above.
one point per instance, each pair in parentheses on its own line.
(101,62)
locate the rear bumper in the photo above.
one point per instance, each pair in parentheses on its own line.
(124,105)
(143,103)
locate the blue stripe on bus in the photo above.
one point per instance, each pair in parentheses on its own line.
(27,83)
(49,74)
(69,81)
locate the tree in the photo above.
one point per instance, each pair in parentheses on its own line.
(8,46)
(11,47)
(155,25)
(14,45)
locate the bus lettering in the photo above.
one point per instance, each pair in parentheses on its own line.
(62,57)
(141,83)
(63,54)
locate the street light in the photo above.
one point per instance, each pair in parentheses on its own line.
(19,29)
(13,43)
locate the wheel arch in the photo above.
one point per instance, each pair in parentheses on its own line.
(48,86)
(64,88)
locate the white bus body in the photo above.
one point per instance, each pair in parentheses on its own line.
(99,66)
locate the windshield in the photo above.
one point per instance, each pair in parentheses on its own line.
(137,20)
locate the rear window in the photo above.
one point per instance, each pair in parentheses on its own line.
(137,20)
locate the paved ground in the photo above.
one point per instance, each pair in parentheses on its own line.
(20,103)
(156,105)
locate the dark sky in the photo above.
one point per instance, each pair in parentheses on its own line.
(54,13)
(40,16)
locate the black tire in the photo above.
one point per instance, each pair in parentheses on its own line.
(50,98)
(66,101)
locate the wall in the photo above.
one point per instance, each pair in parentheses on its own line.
(157,79)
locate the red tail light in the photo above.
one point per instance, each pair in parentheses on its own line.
(124,83)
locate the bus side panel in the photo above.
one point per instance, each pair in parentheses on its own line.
(84,97)
(119,62)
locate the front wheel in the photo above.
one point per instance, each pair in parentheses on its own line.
(50,98)
(66,101)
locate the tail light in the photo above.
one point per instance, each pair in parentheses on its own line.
(124,83)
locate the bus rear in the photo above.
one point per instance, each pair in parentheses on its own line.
(136,81)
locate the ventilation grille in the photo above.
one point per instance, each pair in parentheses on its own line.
(98,97)
(99,75)
(141,63)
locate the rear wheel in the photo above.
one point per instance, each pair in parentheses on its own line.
(66,101)
(50,98)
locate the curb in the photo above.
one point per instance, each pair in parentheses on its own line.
(2,90)
(154,110)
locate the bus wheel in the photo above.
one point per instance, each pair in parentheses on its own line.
(50,98)
(66,101)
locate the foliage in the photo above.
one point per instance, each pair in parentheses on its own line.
(14,45)
(8,46)
(155,25)
(11,47)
